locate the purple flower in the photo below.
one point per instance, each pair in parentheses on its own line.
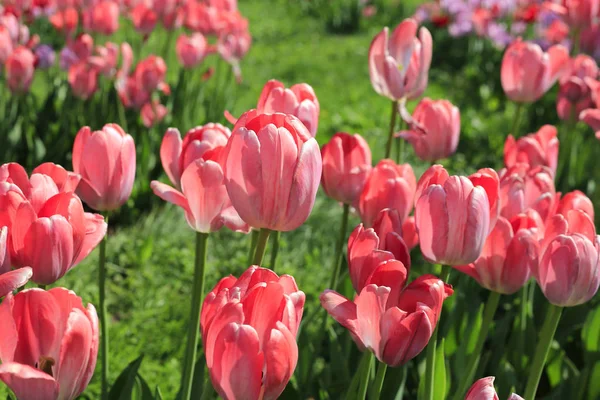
(45,56)
(67,58)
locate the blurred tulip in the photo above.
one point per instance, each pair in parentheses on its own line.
(104,17)
(399,65)
(248,328)
(528,72)
(522,187)
(389,186)
(150,73)
(201,142)
(65,20)
(575,200)
(483,389)
(44,55)
(105,59)
(233,47)
(577,13)
(191,50)
(49,344)
(575,94)
(272,170)
(592,118)
(19,69)
(434,129)
(393,322)
(569,269)
(590,41)
(153,113)
(144,19)
(535,149)
(105,159)
(83,80)
(455,214)
(346,167)
(6,44)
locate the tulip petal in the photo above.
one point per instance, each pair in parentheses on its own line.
(12,280)
(28,383)
(170,153)
(281,356)
(95,230)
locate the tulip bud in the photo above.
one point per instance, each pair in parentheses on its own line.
(536,149)
(19,69)
(191,50)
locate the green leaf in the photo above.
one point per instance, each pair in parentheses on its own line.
(124,385)
(440,382)
(199,378)
(591,331)
(158,394)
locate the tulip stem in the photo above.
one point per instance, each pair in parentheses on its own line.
(365,373)
(388,146)
(252,249)
(401,143)
(488,317)
(193,330)
(337,263)
(379,378)
(517,120)
(102,313)
(275,241)
(542,349)
(261,246)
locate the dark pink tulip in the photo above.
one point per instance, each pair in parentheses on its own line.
(144,19)
(199,142)
(528,72)
(535,149)
(575,94)
(272,170)
(249,328)
(569,269)
(592,118)
(367,248)
(455,214)
(49,344)
(483,389)
(434,129)
(575,200)
(522,187)
(393,322)
(105,159)
(65,20)
(19,68)
(399,65)
(346,167)
(506,259)
(389,186)
(191,50)
(104,17)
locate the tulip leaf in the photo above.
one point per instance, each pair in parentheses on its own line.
(200,380)
(440,386)
(125,383)
(158,394)
(141,390)
(591,331)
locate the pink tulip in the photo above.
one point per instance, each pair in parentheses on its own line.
(6,45)
(389,186)
(104,17)
(592,118)
(346,167)
(434,129)
(105,59)
(150,73)
(144,19)
(399,65)
(65,21)
(522,187)
(9,279)
(528,72)
(575,94)
(49,344)
(19,69)
(367,248)
(536,149)
(483,389)
(569,269)
(455,214)
(393,322)
(248,328)
(153,113)
(505,260)
(191,50)
(105,159)
(232,48)
(272,170)
(577,13)
(83,79)
(575,200)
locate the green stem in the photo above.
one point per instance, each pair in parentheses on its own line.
(542,349)
(523,316)
(252,249)
(104,343)
(261,246)
(193,330)
(43,287)
(517,120)
(378,384)
(488,318)
(388,146)
(364,377)
(339,250)
(275,242)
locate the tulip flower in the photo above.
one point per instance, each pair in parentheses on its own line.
(393,322)
(528,72)
(389,186)
(575,200)
(434,129)
(65,20)
(346,167)
(150,73)
(9,279)
(232,48)
(49,344)
(153,113)
(577,14)
(399,65)
(248,328)
(144,19)
(6,44)
(575,93)
(522,187)
(455,214)
(191,50)
(19,68)
(105,159)
(83,79)
(104,17)
(272,170)
(592,118)
(483,389)
(536,149)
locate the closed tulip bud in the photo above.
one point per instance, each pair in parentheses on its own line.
(506,259)
(272,170)
(19,68)
(455,214)
(346,167)
(522,187)
(399,65)
(575,200)
(144,19)
(536,149)
(105,159)
(48,344)
(191,50)
(592,118)
(483,389)
(65,20)
(389,186)
(393,322)
(150,73)
(104,17)
(528,72)
(434,129)
(249,328)
(83,79)
(367,248)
